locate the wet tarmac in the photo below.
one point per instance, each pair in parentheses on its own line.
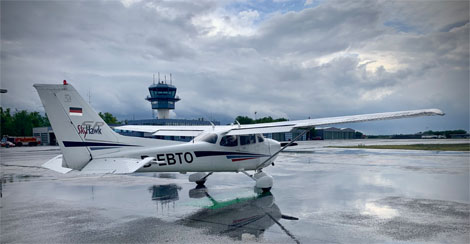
(320,195)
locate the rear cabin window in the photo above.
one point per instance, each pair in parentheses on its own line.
(210,138)
(229,141)
(248,139)
(260,138)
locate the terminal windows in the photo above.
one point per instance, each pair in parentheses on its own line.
(229,141)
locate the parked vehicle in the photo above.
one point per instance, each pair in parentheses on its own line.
(23,141)
(7,144)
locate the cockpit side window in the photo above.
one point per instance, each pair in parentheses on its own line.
(229,141)
(248,139)
(210,138)
(260,138)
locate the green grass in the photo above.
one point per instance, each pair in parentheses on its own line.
(433,147)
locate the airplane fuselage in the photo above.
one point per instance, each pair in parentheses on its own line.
(202,156)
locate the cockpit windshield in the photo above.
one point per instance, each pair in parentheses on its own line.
(210,138)
(260,138)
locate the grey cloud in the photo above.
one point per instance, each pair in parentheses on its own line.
(319,30)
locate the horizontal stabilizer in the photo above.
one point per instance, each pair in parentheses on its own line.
(56,165)
(115,165)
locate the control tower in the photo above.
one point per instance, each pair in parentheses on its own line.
(163,98)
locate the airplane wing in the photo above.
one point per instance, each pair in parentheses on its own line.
(276,127)
(288,126)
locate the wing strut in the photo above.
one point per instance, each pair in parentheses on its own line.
(260,166)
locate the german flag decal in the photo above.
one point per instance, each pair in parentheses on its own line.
(74,111)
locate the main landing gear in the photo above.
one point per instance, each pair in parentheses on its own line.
(199,178)
(263,180)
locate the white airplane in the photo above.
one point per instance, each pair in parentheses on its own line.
(89,145)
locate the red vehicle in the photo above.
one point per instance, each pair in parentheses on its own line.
(23,141)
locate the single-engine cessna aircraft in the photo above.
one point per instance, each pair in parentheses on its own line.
(89,145)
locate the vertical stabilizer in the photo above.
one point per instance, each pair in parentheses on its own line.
(75,124)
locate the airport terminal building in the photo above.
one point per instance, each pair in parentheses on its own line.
(329,133)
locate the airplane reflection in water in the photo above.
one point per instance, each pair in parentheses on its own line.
(235,217)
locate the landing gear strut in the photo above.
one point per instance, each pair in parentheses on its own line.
(199,178)
(200,183)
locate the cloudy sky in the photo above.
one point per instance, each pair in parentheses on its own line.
(294,59)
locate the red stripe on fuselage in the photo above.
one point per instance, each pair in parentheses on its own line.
(240,159)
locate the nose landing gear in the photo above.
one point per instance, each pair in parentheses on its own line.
(263,180)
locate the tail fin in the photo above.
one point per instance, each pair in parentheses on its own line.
(76,125)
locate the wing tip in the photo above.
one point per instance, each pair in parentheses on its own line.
(437,111)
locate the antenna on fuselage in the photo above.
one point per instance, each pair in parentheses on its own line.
(238,123)
(213,126)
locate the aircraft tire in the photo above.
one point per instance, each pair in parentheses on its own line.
(267,189)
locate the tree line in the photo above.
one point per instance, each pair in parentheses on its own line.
(243,120)
(21,123)
(445,133)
